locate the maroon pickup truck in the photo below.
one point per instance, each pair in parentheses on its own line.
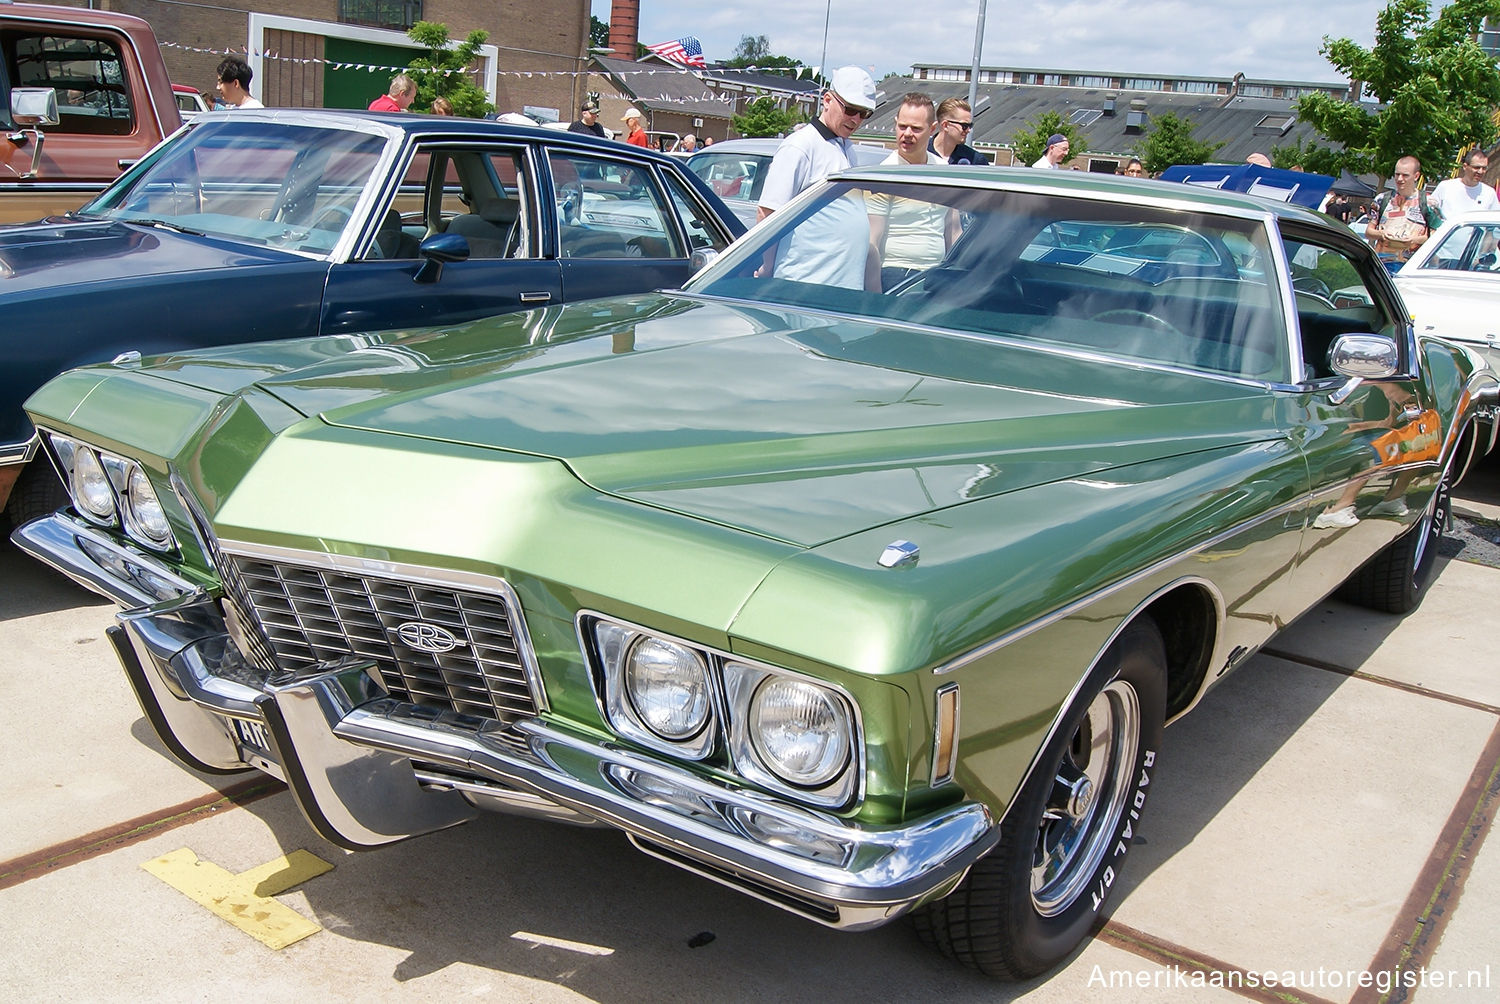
(113,103)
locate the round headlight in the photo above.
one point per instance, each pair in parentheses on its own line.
(668,688)
(91,488)
(146,515)
(800,731)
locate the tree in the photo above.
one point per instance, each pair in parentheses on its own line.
(444,71)
(1436,87)
(763,118)
(1318,159)
(755,50)
(1030,144)
(598,33)
(1169,140)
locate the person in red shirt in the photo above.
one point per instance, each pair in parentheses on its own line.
(635,135)
(399,98)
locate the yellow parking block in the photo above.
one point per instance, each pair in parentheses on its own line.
(245,899)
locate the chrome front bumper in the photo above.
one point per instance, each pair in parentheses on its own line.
(367,770)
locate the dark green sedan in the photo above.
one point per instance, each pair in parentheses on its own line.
(861,575)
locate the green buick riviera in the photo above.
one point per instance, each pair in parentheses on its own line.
(860,575)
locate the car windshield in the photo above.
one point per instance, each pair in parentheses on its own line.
(1171,287)
(269,183)
(1467,249)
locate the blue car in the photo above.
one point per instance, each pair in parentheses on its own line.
(255,225)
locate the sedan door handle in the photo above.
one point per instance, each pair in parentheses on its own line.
(125,162)
(535,297)
(1409,414)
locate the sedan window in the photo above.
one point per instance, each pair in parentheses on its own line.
(1334,297)
(610,209)
(1467,249)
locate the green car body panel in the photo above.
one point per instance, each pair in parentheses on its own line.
(728,475)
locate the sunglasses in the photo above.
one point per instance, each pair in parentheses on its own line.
(965,126)
(851,111)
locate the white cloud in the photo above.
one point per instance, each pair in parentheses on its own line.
(1268,39)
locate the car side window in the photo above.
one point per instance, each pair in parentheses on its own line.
(88,76)
(485,196)
(1467,249)
(610,209)
(1333,297)
(701,230)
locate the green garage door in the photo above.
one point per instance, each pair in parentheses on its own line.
(356,88)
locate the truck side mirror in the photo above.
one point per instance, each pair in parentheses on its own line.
(31,108)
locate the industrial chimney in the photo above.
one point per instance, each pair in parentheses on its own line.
(624,27)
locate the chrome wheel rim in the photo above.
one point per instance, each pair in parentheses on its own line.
(1088,795)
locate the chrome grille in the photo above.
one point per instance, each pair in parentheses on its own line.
(313,615)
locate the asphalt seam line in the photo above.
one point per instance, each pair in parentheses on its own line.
(133,831)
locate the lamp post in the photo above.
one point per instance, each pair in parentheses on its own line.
(978,47)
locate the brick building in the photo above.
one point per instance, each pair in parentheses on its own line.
(319,53)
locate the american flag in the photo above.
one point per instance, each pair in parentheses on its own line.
(685,50)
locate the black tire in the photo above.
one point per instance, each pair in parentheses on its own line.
(1395,579)
(37,492)
(1011,918)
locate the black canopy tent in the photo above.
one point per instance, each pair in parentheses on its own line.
(1348,184)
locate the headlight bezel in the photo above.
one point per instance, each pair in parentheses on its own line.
(728,739)
(128,485)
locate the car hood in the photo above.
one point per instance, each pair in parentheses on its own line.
(1452,304)
(59,250)
(800,428)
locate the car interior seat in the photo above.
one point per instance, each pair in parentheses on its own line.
(393,242)
(489,226)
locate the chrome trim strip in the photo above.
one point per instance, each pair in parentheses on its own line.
(20,453)
(412,573)
(78,550)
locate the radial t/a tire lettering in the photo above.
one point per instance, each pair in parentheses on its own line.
(1051,880)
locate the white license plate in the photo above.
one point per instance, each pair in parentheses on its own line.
(252,737)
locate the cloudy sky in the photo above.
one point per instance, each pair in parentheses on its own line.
(1268,39)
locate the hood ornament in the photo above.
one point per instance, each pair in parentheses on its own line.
(899,552)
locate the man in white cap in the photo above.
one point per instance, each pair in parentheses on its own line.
(833,246)
(635,135)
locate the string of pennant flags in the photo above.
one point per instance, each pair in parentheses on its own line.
(337,64)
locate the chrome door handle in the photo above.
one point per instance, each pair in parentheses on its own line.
(535,297)
(1408,414)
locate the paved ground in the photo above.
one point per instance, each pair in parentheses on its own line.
(1321,816)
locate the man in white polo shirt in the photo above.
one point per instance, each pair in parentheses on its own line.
(832,247)
(1467,193)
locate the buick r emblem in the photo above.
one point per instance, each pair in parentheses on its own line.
(426,637)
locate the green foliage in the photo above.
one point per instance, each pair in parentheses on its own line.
(1169,140)
(1437,86)
(763,118)
(428,70)
(598,33)
(755,50)
(1318,159)
(1031,143)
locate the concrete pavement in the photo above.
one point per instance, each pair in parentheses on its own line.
(1321,815)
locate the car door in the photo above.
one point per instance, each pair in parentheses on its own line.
(486,193)
(1373,451)
(622,227)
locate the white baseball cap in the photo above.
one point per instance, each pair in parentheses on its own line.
(854,87)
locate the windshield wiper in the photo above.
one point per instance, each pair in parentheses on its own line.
(165,225)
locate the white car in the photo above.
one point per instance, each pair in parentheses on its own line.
(736,170)
(1451,284)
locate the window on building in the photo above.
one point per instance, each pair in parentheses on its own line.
(1052,79)
(400,14)
(1142,84)
(1195,87)
(1085,116)
(1255,90)
(1085,81)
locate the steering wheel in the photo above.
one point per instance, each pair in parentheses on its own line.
(333,219)
(1139,318)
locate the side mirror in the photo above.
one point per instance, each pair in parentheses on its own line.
(1362,357)
(34,106)
(701,258)
(31,108)
(438,250)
